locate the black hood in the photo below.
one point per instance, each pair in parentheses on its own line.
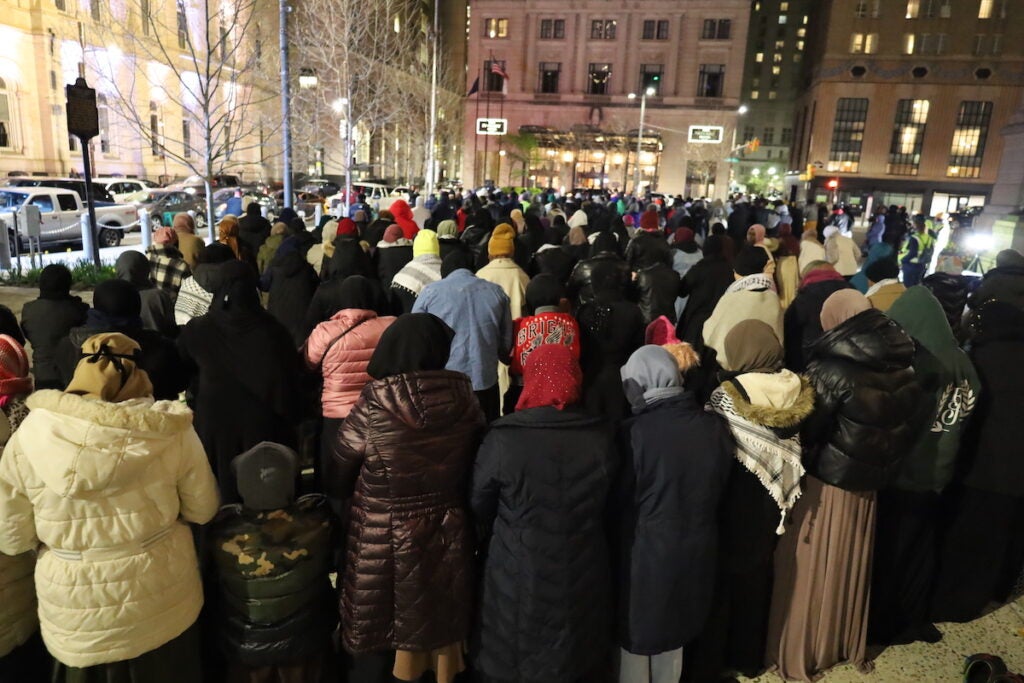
(869,338)
(133,267)
(208,276)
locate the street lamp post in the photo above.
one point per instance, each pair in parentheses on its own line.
(640,136)
(286,135)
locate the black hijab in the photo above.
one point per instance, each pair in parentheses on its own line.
(55,282)
(116,306)
(543,290)
(358,291)
(456,260)
(238,294)
(413,343)
(604,242)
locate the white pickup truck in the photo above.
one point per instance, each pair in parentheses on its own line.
(60,212)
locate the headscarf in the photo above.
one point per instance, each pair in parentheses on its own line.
(1009,258)
(392,234)
(447,228)
(650,375)
(518,220)
(347,226)
(238,294)
(55,282)
(790,244)
(116,303)
(755,234)
(426,243)
(279,228)
(682,236)
(183,222)
(415,342)
(543,290)
(751,346)
(551,378)
(577,237)
(14,370)
(578,219)
(227,233)
(714,247)
(164,236)
(649,220)
(604,242)
(108,370)
(841,306)
(360,292)
(830,231)
(750,261)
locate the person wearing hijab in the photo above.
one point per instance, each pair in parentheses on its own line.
(340,348)
(676,460)
(545,322)
(196,293)
(403,218)
(703,285)
(157,304)
(393,252)
(477,235)
(810,248)
(880,251)
(253,228)
(802,320)
(884,286)
(291,283)
(104,483)
(48,319)
(403,457)
(117,307)
(842,252)
(245,374)
(553,258)
(424,269)
(909,507)
(867,411)
(320,254)
(227,233)
(22,653)
(167,267)
(269,248)
(190,245)
(981,554)
(540,488)
(752,296)
(764,406)
(448,238)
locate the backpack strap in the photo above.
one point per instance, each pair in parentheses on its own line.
(323,357)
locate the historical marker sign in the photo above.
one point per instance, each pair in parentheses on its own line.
(83,117)
(706,135)
(491,126)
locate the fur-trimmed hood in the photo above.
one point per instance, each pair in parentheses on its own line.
(783,415)
(93,445)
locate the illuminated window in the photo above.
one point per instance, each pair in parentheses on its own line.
(985,9)
(913,9)
(856,43)
(908,137)
(602,29)
(5,116)
(783,6)
(776,70)
(908,43)
(103,117)
(782,18)
(496,28)
(759,57)
(772,95)
(968,148)
(599,76)
(848,135)
(754,94)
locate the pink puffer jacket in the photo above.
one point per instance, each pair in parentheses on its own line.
(344,368)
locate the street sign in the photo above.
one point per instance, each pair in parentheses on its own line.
(491,126)
(706,135)
(83,117)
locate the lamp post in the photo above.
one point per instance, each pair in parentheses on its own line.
(343,105)
(640,136)
(286,136)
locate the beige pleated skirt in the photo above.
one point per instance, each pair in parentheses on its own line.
(819,613)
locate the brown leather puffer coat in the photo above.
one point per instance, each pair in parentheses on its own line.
(408,448)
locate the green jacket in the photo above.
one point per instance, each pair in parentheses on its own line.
(946,374)
(267,251)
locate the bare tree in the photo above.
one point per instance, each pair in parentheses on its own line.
(369,72)
(203,57)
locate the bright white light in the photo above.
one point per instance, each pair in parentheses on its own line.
(631,96)
(742,110)
(980,242)
(650,92)
(773,171)
(755,171)
(338,105)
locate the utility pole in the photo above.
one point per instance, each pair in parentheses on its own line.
(286,134)
(435,37)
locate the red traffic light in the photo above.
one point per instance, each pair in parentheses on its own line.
(833,184)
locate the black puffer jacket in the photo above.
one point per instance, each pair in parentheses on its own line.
(658,287)
(1005,283)
(540,485)
(278,610)
(703,285)
(556,261)
(802,321)
(868,404)
(951,291)
(647,248)
(603,273)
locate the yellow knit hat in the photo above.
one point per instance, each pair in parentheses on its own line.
(425,243)
(502,242)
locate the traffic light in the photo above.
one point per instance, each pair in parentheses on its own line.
(833,184)
(810,171)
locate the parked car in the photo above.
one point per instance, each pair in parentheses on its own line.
(221,197)
(60,214)
(378,195)
(321,186)
(127,190)
(163,204)
(304,203)
(195,183)
(99,192)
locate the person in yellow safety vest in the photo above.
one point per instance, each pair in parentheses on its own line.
(917,254)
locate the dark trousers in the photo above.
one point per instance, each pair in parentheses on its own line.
(512,398)
(490,402)
(28,662)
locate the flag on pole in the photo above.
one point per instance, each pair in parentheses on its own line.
(475,88)
(497,69)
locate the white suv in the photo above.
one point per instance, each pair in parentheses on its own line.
(126,190)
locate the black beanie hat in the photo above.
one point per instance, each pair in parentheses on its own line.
(883,269)
(750,261)
(543,290)
(456,260)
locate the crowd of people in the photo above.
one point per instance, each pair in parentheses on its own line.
(530,439)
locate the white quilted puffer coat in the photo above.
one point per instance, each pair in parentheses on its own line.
(105,490)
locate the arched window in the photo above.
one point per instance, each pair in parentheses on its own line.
(5,117)
(103,115)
